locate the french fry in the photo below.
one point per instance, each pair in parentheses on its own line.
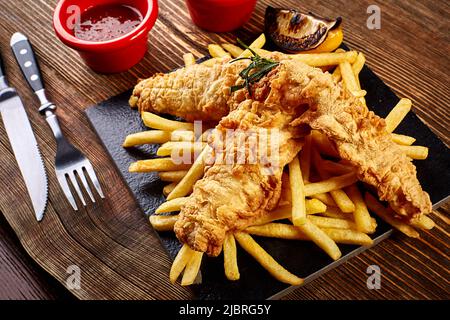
(325,59)
(172,176)
(192,269)
(423,222)
(305,158)
(160,164)
(181,156)
(230,258)
(336,168)
(415,152)
(326,222)
(257,44)
(182,135)
(146,137)
(297,192)
(342,200)
(171,205)
(277,230)
(217,51)
(266,260)
(169,188)
(357,66)
(330,184)
(337,75)
(348,76)
(151,120)
(280,213)
(339,196)
(346,236)
(171,147)
(290,232)
(210,62)
(195,172)
(334,212)
(180,262)
(163,223)
(321,239)
(189,59)
(359,93)
(375,206)
(286,196)
(321,142)
(361,215)
(402,139)
(397,114)
(313,206)
(234,50)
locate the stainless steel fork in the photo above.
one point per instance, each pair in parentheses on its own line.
(69,161)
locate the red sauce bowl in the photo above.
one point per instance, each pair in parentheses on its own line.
(110,56)
(220,15)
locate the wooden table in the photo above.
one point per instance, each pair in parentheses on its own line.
(113,239)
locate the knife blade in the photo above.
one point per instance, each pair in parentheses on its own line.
(24,145)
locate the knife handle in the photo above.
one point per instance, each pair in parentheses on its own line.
(23,51)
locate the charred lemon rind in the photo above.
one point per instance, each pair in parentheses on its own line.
(293,31)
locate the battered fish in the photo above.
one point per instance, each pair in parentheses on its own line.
(291,97)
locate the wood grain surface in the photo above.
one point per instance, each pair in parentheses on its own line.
(119,255)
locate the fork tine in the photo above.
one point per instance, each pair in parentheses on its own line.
(75,185)
(94,179)
(85,183)
(65,187)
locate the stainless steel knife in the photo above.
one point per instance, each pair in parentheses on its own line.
(24,145)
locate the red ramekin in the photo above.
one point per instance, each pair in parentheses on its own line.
(111,56)
(220,15)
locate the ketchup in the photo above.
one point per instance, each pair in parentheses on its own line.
(107,22)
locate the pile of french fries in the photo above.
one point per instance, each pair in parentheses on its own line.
(321,198)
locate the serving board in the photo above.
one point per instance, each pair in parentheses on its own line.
(113,120)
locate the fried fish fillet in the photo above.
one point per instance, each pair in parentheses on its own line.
(361,138)
(292,96)
(231,196)
(196,92)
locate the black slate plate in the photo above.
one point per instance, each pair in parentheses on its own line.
(113,120)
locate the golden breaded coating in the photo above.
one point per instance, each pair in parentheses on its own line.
(361,138)
(232,196)
(194,93)
(291,99)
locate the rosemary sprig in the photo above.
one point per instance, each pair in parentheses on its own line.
(257,69)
